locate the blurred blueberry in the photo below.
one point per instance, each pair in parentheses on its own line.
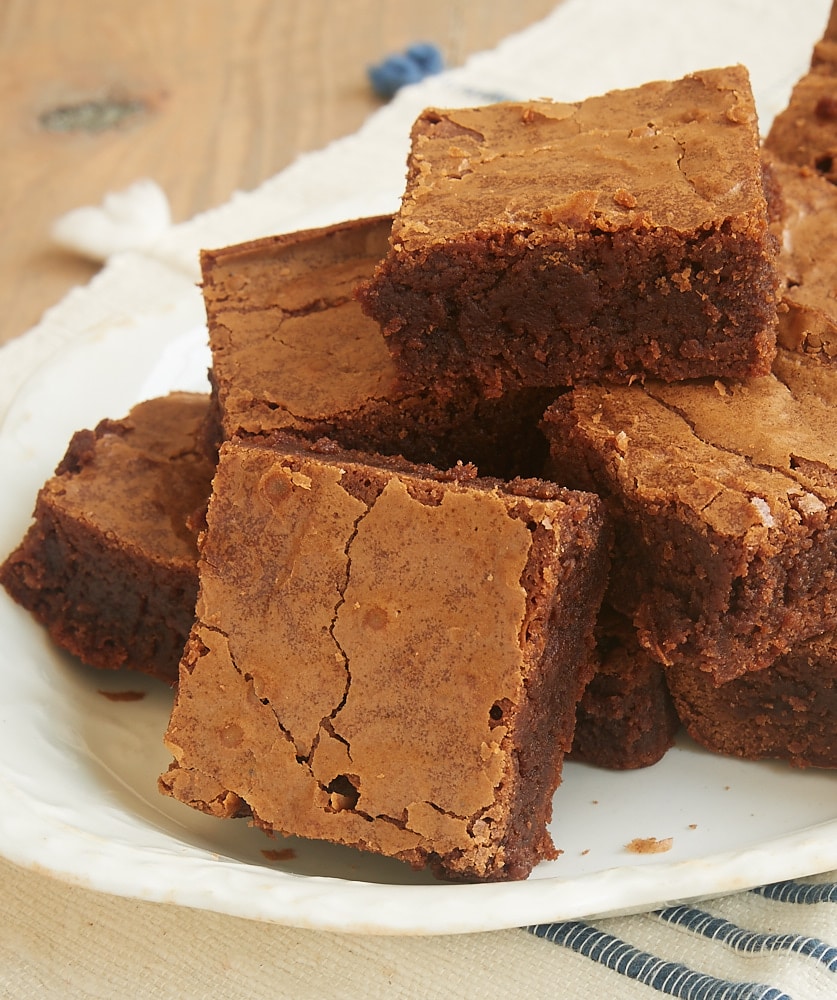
(421,59)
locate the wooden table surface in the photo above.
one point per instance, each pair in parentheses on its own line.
(204,96)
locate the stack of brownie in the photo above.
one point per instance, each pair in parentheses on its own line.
(506,477)
(723,490)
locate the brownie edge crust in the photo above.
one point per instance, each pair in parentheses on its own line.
(396,664)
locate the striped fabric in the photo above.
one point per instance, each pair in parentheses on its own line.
(784,930)
(800,892)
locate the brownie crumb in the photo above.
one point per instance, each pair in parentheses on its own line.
(649,845)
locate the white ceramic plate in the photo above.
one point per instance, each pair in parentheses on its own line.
(78,768)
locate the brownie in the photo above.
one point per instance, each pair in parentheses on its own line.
(626,718)
(108,565)
(824,56)
(291,350)
(387,656)
(805,133)
(803,219)
(725,497)
(786,711)
(547,244)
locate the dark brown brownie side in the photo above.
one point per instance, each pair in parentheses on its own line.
(725,498)
(547,244)
(401,655)
(626,718)
(293,351)
(109,564)
(787,711)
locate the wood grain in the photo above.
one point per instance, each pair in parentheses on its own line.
(203,96)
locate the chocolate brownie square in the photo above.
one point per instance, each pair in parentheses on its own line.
(291,350)
(386,656)
(725,497)
(546,244)
(109,564)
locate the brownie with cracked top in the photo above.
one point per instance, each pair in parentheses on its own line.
(387,656)
(108,565)
(291,350)
(545,244)
(725,494)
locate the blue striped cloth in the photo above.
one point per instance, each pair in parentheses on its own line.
(776,942)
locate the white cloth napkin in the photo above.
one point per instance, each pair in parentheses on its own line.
(773,943)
